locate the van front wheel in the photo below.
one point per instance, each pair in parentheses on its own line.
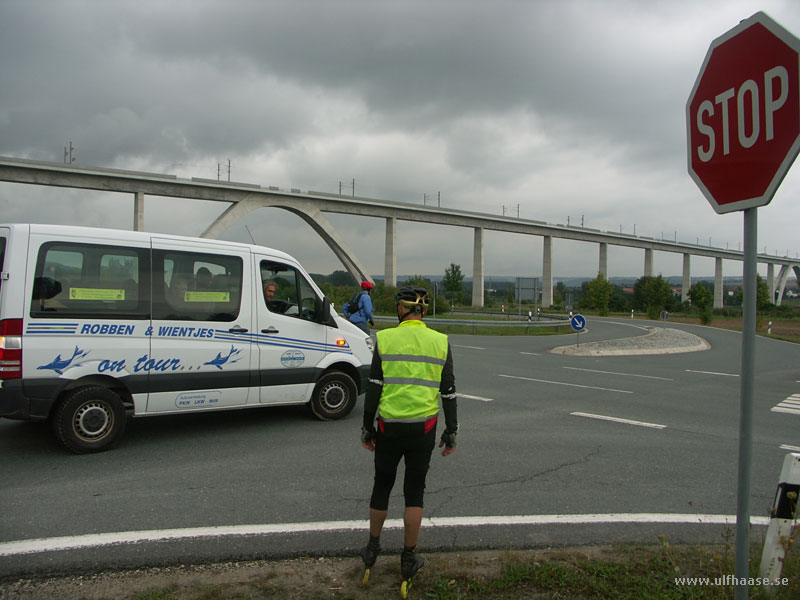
(89,419)
(334,396)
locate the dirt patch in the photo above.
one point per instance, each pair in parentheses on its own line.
(337,577)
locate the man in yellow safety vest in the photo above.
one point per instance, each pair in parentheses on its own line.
(411,367)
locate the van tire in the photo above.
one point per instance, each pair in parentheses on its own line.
(89,419)
(334,396)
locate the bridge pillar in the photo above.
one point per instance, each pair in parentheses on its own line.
(648,262)
(138,211)
(547,271)
(687,277)
(602,268)
(781,283)
(477,268)
(718,291)
(390,264)
(771,281)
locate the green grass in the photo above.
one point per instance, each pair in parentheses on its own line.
(625,572)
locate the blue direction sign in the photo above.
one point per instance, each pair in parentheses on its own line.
(578,322)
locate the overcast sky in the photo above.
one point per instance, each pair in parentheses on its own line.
(561,110)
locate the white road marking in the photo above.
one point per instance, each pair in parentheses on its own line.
(470,347)
(96,540)
(618,420)
(790,405)
(531,353)
(790,448)
(623,374)
(480,398)
(713,373)
(588,387)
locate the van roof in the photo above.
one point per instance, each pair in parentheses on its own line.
(118,235)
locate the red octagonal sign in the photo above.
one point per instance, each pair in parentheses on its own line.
(743,115)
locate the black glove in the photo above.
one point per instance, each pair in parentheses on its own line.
(368,435)
(371,323)
(449,438)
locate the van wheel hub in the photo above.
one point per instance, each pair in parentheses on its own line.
(92,420)
(333,396)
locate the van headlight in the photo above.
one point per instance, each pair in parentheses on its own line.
(370,344)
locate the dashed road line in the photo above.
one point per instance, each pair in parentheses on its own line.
(588,387)
(713,373)
(531,353)
(470,347)
(479,398)
(622,374)
(790,448)
(619,420)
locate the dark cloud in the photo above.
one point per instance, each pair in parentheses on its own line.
(569,109)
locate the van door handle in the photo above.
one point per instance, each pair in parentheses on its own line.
(237,329)
(269,329)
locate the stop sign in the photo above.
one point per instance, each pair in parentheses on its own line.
(743,115)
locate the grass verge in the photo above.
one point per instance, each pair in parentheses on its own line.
(594,572)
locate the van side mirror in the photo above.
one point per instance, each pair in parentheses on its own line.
(325,312)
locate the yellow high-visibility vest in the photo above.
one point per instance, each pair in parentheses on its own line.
(413,358)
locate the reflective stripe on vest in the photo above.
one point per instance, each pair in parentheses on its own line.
(413,358)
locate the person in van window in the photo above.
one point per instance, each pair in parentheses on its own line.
(359,310)
(202,279)
(178,287)
(269,290)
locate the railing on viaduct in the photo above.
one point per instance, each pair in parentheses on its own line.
(310,206)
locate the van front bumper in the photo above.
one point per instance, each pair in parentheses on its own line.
(15,405)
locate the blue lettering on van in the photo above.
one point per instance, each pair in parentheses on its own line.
(292,359)
(106,329)
(58,364)
(144,363)
(115,366)
(193,332)
(219,360)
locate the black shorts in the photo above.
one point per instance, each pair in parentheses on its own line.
(416,448)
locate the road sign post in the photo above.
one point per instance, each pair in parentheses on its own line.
(578,323)
(743,134)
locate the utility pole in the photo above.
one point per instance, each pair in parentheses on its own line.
(68,157)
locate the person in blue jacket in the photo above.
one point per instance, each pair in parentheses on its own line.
(361,314)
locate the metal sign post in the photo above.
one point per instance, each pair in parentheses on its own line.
(743,134)
(746,400)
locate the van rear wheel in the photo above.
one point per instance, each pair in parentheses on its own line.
(334,396)
(89,419)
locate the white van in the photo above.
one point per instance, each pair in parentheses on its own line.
(97,322)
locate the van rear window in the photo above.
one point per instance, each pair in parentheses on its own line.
(2,256)
(88,280)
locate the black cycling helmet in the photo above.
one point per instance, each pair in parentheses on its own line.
(413,297)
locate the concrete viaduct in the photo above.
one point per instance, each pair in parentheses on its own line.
(244,198)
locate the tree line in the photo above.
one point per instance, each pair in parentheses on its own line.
(650,295)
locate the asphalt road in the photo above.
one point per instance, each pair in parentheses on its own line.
(294,485)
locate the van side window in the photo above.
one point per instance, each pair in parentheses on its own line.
(91,281)
(293,295)
(190,286)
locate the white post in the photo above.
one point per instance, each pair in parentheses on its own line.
(782,519)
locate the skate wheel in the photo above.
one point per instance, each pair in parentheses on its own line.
(365,581)
(404,590)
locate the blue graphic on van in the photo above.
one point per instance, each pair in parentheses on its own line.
(292,358)
(223,360)
(59,364)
